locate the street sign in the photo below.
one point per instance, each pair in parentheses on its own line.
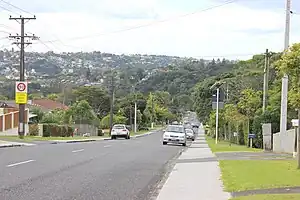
(214,105)
(221,96)
(21,92)
(251,136)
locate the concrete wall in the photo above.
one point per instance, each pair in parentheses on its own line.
(289,142)
(86,128)
(267,136)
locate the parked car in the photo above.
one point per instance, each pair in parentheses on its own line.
(175,134)
(190,134)
(120,130)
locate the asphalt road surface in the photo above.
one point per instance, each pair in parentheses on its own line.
(104,170)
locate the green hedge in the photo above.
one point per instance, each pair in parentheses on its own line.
(54,130)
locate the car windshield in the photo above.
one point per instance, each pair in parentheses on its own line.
(177,129)
(119,127)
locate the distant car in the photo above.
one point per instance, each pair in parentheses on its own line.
(120,130)
(175,134)
(190,134)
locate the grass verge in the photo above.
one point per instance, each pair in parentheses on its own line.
(241,175)
(270,197)
(224,146)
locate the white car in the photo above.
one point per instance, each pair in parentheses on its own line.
(120,130)
(175,134)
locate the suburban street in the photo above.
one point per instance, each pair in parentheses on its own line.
(108,170)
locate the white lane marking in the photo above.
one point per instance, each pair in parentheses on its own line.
(20,163)
(75,151)
(107,146)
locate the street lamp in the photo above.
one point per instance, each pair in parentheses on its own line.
(217,85)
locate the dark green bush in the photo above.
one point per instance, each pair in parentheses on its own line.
(55,130)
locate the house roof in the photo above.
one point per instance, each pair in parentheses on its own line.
(47,104)
(44,104)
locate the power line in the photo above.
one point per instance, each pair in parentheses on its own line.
(16,7)
(151,23)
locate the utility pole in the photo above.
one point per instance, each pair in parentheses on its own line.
(152,107)
(21,41)
(217,114)
(266,81)
(112,94)
(284,84)
(298,140)
(135,116)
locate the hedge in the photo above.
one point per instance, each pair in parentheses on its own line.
(54,130)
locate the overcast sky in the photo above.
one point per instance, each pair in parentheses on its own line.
(234,30)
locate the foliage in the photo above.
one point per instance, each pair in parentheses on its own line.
(80,112)
(33,129)
(54,130)
(37,111)
(53,97)
(117,119)
(96,97)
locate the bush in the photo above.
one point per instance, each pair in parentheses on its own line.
(33,129)
(55,130)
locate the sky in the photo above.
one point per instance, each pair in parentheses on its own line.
(188,28)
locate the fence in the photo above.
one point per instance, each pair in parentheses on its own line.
(10,119)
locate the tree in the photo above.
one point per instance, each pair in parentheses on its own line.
(37,111)
(81,112)
(290,64)
(2,97)
(250,102)
(53,97)
(96,97)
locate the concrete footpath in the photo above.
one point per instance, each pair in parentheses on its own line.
(196,175)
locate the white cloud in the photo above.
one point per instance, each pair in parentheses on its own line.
(222,31)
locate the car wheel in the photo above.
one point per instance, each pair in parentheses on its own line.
(193,139)
(164,143)
(112,137)
(184,144)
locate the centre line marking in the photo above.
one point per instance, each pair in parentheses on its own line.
(20,163)
(75,151)
(107,146)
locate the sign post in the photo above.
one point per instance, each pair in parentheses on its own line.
(21,92)
(21,99)
(251,136)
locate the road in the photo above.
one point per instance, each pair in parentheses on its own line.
(104,170)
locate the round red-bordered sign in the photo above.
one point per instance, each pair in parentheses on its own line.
(21,87)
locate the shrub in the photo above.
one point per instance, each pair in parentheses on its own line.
(55,130)
(33,129)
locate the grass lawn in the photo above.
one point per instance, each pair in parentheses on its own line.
(270,197)
(240,175)
(224,146)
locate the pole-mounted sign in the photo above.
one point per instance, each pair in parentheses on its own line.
(21,92)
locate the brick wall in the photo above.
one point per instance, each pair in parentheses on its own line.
(10,119)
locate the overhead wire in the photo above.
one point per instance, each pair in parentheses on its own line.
(149,24)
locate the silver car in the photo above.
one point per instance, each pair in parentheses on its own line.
(175,134)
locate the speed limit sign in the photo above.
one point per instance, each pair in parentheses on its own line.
(21,92)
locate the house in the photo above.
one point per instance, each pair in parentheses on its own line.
(9,119)
(47,105)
